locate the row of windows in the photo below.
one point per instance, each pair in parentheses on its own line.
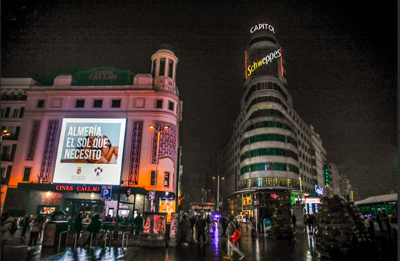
(13,97)
(270,182)
(265,86)
(268,152)
(12,112)
(98,103)
(269,166)
(268,137)
(266,112)
(268,124)
(266,99)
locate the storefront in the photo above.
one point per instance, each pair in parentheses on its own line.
(311,205)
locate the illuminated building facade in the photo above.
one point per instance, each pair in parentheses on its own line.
(273,155)
(104,109)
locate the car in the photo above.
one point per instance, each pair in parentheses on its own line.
(241,218)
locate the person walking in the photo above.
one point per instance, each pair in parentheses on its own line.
(224,225)
(201,229)
(192,221)
(138,224)
(184,226)
(6,223)
(378,220)
(78,225)
(386,227)
(294,222)
(232,246)
(93,228)
(310,222)
(36,226)
(24,225)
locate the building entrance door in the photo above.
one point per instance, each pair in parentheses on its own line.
(88,207)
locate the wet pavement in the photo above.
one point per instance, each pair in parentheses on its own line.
(257,249)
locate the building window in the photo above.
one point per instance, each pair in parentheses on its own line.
(27,174)
(153,176)
(15,113)
(3,173)
(171,106)
(98,103)
(162,67)
(159,104)
(166,179)
(80,104)
(116,104)
(40,103)
(170,68)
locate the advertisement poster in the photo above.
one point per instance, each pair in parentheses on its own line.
(167,206)
(159,226)
(90,151)
(174,226)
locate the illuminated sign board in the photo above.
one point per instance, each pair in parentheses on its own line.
(326,173)
(262,27)
(313,201)
(319,190)
(71,188)
(167,206)
(103,76)
(90,151)
(274,196)
(263,61)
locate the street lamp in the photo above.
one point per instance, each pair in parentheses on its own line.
(4,133)
(217,208)
(153,206)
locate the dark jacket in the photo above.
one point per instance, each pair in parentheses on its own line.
(201,225)
(138,221)
(185,226)
(95,225)
(78,223)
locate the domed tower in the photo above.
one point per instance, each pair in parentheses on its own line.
(164,69)
(268,143)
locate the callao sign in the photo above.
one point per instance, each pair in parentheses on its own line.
(77,188)
(262,27)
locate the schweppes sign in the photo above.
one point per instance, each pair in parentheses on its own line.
(103,76)
(263,61)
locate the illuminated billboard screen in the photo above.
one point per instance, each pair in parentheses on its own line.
(90,151)
(264,62)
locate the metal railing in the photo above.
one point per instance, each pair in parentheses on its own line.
(123,238)
(59,239)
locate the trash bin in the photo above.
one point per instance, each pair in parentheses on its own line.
(52,231)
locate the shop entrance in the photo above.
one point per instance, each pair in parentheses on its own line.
(88,207)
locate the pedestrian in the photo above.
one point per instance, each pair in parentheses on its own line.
(192,221)
(138,224)
(294,222)
(224,224)
(253,227)
(36,226)
(201,229)
(305,219)
(208,224)
(310,222)
(78,225)
(386,227)
(369,224)
(237,223)
(24,225)
(184,226)
(6,223)
(378,220)
(93,228)
(232,246)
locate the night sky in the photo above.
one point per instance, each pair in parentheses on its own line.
(341,63)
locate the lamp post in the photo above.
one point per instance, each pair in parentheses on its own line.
(217,208)
(4,133)
(153,199)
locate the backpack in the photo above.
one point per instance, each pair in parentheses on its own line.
(13,227)
(236,235)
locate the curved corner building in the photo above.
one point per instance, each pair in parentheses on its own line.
(276,156)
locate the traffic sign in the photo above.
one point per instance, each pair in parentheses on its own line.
(106,192)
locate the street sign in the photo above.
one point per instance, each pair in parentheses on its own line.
(106,192)
(151,195)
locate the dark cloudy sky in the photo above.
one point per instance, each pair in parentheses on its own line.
(341,66)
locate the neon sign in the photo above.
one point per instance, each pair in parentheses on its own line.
(262,26)
(78,188)
(319,190)
(265,60)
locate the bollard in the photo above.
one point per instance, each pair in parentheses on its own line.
(59,240)
(123,238)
